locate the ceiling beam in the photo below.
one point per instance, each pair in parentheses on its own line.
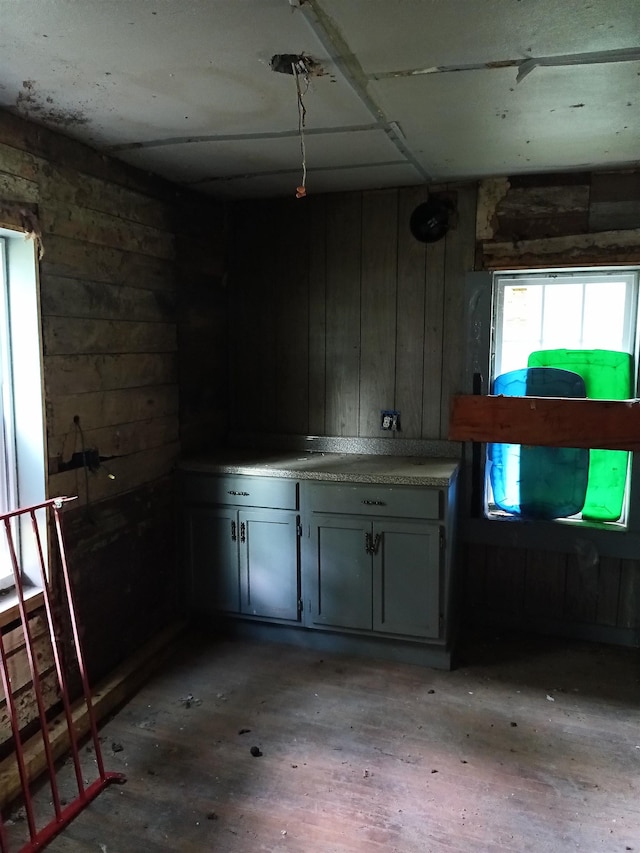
(328,34)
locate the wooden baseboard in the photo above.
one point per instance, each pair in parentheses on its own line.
(108,695)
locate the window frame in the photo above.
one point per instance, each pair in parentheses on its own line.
(23,401)
(609,539)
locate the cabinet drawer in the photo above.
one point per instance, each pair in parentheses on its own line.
(240,491)
(404,501)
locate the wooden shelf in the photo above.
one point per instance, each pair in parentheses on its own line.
(547,421)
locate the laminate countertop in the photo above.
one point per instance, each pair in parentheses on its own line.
(331,467)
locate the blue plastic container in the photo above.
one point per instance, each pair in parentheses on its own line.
(538,482)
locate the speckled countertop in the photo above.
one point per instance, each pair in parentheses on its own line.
(333,467)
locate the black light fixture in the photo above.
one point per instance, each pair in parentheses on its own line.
(430,220)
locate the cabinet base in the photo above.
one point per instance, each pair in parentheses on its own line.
(419,654)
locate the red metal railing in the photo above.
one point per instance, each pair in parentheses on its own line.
(62,606)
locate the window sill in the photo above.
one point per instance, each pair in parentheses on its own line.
(562,536)
(9,609)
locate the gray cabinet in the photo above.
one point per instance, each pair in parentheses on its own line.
(362,566)
(242,545)
(376,561)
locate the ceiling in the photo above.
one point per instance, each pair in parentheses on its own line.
(392,92)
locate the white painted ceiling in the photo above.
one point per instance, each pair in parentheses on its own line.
(413,91)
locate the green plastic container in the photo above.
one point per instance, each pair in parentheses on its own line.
(608,375)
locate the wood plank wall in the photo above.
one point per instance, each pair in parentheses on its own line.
(338,312)
(578,219)
(20,675)
(120,249)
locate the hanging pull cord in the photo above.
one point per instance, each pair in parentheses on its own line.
(301,191)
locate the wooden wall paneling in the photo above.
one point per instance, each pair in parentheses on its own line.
(69,335)
(609,570)
(25,704)
(16,162)
(604,247)
(243,270)
(262,391)
(317,238)
(203,325)
(460,251)
(120,439)
(615,201)
(291,327)
(629,601)
(547,206)
(12,187)
(74,258)
(99,409)
(505,580)
(63,296)
(75,189)
(56,148)
(474,578)
(108,283)
(69,374)
(378,302)
(20,672)
(433,337)
(410,345)
(344,237)
(131,472)
(581,596)
(545,582)
(121,555)
(253,317)
(104,229)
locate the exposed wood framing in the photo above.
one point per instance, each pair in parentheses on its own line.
(559,220)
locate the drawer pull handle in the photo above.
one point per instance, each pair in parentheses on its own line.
(242,494)
(374,503)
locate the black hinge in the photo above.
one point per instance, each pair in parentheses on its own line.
(442,537)
(300,606)
(298,529)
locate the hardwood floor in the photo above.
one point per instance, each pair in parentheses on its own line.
(531,744)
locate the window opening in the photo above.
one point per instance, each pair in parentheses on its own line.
(562,333)
(22,445)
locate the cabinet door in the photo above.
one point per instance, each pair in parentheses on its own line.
(212,555)
(340,569)
(269,563)
(406,579)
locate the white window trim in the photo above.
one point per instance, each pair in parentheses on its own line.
(609,539)
(26,430)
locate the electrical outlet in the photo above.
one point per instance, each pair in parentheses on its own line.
(390,420)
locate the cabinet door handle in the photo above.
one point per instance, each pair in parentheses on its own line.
(374,503)
(376,543)
(243,531)
(368,544)
(233,531)
(241,494)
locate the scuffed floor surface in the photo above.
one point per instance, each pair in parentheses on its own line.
(529,745)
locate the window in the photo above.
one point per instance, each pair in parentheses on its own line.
(22,453)
(562,333)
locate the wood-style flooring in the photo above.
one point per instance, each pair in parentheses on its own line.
(530,744)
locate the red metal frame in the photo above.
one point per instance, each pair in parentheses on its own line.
(40,837)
